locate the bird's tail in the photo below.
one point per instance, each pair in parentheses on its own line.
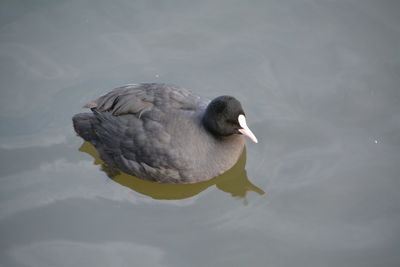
(83,126)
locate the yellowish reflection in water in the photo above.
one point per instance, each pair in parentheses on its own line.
(234,181)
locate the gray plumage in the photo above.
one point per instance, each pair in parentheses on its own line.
(157,132)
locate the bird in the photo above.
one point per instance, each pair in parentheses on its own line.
(164,133)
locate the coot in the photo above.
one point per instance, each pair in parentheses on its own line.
(165,134)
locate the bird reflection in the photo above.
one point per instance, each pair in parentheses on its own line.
(233,181)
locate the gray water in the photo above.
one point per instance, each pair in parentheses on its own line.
(319,81)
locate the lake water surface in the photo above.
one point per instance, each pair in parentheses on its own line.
(319,81)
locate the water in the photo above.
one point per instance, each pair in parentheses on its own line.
(319,81)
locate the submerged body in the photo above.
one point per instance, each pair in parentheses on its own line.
(159,133)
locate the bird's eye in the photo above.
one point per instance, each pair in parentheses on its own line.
(231,122)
